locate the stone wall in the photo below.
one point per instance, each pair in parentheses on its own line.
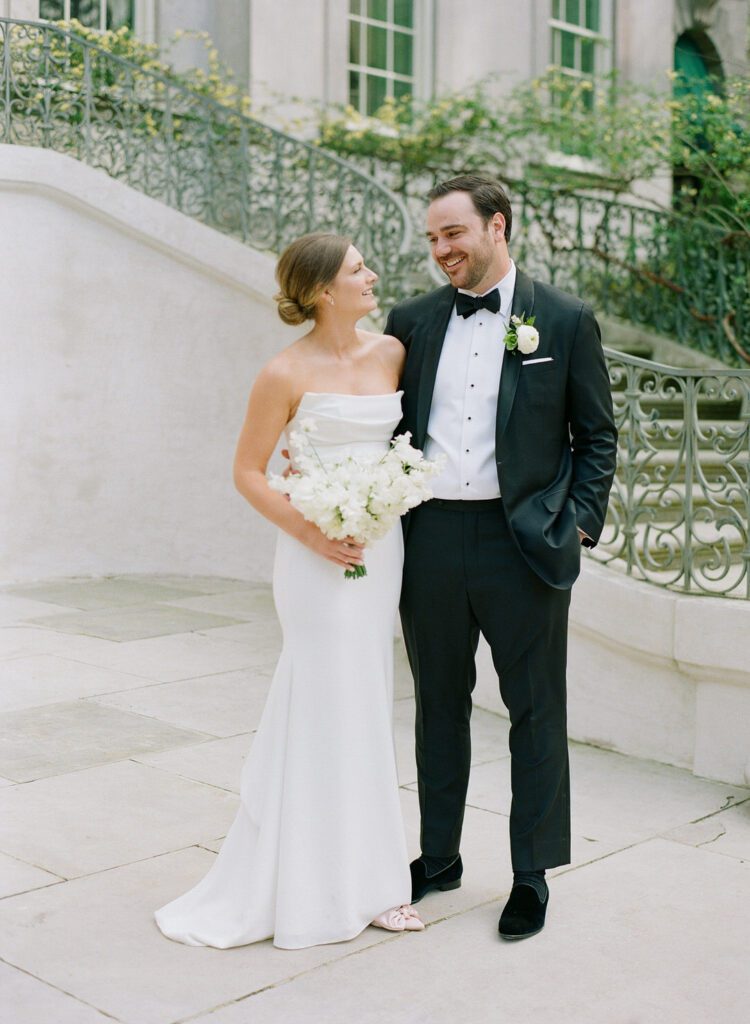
(129,337)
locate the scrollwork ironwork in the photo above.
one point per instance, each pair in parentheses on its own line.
(680,504)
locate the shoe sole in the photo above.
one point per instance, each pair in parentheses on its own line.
(515,938)
(445,887)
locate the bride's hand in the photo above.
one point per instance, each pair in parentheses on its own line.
(347,552)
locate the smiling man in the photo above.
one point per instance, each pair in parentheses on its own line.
(524,418)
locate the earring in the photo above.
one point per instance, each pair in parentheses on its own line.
(330,300)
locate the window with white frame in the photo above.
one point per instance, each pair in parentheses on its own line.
(581,32)
(97,14)
(382,52)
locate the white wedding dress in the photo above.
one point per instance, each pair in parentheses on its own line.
(317,849)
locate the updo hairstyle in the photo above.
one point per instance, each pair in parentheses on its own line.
(304,271)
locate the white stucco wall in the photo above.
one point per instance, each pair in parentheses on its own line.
(129,338)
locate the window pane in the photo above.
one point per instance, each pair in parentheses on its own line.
(402,53)
(86,11)
(52,10)
(555,8)
(403,13)
(354,7)
(377,47)
(354,48)
(376,88)
(377,9)
(587,56)
(119,13)
(572,11)
(592,15)
(401,89)
(567,50)
(354,89)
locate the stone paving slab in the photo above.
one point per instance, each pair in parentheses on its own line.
(104,817)
(122,964)
(196,585)
(134,622)
(614,950)
(222,705)
(18,876)
(19,641)
(26,1000)
(93,594)
(238,604)
(215,762)
(727,832)
(34,680)
(165,658)
(14,609)
(56,738)
(262,633)
(642,930)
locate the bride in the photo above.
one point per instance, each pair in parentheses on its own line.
(317,850)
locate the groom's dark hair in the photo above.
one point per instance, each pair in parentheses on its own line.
(487,195)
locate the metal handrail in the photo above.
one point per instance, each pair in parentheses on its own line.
(680,504)
(61,91)
(678,276)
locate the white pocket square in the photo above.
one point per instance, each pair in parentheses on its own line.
(543,359)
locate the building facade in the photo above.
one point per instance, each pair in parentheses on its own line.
(361,51)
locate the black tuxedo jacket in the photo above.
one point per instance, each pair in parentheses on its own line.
(555,437)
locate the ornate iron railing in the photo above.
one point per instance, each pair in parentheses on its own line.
(680,505)
(678,276)
(62,92)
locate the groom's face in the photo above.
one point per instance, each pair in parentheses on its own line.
(463,245)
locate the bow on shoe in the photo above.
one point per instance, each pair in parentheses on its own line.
(399,919)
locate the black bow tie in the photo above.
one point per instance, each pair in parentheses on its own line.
(467,305)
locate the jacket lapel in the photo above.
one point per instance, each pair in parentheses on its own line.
(523,305)
(433,330)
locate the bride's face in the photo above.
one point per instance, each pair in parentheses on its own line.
(351,290)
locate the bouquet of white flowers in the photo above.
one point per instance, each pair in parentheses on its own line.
(355,497)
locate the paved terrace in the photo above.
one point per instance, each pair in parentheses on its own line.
(127,707)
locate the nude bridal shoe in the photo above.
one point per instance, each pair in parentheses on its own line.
(399,919)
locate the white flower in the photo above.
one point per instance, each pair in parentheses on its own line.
(516,320)
(357,497)
(308,424)
(528,339)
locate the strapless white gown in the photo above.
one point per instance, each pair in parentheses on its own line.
(317,849)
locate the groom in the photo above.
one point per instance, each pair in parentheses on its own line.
(530,447)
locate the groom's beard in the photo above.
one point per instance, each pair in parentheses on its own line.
(473,269)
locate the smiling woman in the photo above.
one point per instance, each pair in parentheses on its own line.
(317,851)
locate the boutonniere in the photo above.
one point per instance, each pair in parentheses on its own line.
(522,335)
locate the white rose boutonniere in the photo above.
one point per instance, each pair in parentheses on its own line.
(522,335)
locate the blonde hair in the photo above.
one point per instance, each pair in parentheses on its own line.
(304,271)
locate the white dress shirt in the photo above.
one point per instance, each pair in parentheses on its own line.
(464,403)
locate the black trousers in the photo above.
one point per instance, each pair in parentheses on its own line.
(463,575)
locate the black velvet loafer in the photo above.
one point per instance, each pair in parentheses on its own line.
(450,878)
(524,913)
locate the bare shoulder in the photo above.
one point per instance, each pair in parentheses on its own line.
(283,371)
(389,349)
